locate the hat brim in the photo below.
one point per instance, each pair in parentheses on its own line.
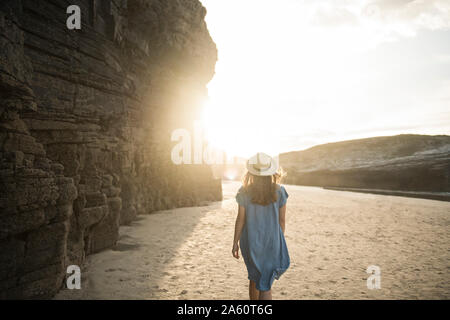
(266,172)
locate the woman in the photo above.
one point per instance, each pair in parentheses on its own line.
(260,226)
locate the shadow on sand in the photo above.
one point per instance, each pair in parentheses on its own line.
(136,267)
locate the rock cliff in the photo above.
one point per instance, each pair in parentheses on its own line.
(403,162)
(85,124)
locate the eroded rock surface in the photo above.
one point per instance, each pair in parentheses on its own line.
(85,124)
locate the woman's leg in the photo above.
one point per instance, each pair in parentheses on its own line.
(265,295)
(252,291)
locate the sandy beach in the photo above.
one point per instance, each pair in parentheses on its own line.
(332,237)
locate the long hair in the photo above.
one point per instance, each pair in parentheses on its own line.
(262,189)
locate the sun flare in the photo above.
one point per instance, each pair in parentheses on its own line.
(237,127)
(311,72)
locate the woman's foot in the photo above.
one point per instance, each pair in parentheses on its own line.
(265,295)
(253,292)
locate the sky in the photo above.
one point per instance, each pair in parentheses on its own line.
(292,74)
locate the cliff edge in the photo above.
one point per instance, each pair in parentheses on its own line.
(85,124)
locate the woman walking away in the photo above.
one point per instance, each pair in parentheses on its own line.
(260,226)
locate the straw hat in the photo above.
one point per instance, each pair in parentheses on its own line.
(262,164)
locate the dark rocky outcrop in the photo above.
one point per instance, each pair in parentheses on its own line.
(85,124)
(403,162)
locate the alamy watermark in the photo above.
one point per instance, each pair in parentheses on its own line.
(73,22)
(74,280)
(193,149)
(374,280)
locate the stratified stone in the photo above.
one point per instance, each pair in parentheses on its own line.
(85,126)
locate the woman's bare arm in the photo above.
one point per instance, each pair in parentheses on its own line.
(283,217)
(240,221)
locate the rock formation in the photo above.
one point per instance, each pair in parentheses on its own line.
(85,125)
(404,162)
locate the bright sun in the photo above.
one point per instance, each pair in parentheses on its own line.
(220,128)
(238,128)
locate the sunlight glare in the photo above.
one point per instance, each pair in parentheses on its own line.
(298,74)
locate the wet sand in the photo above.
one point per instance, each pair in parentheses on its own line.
(332,237)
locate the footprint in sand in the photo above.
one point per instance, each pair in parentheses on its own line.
(115,269)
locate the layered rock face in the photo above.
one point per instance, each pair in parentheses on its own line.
(403,162)
(85,127)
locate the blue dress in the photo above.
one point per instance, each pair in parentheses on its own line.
(262,242)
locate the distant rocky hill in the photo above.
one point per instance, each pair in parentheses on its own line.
(403,162)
